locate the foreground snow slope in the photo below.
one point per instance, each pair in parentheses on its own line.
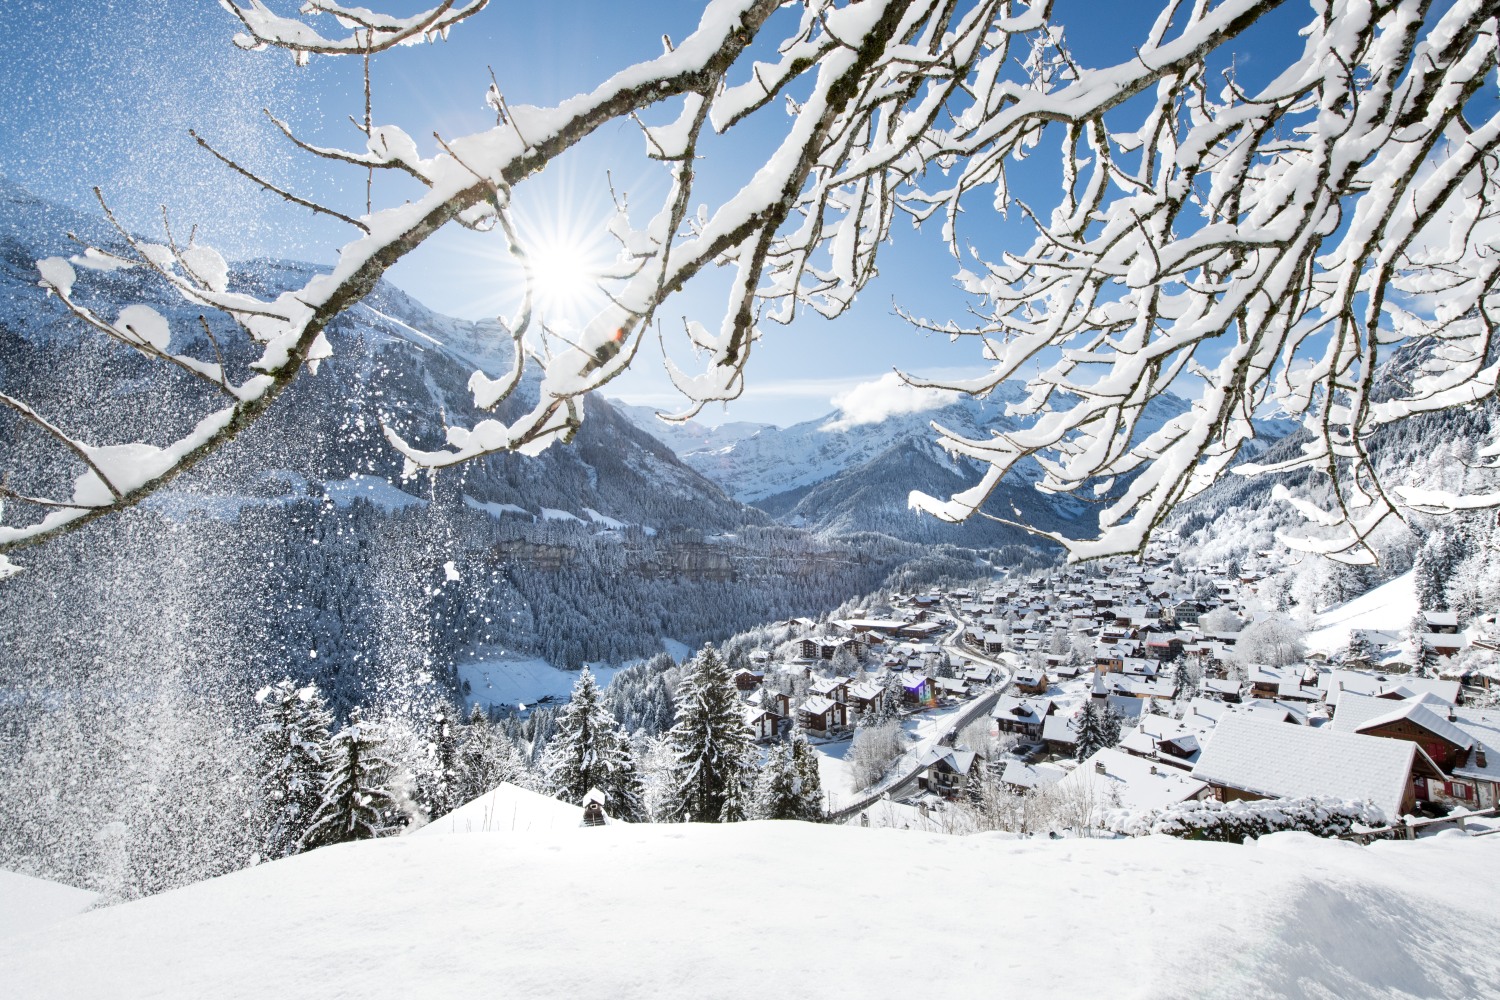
(27,903)
(791,909)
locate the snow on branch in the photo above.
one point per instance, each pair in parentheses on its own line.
(1255,249)
(369,31)
(1268,250)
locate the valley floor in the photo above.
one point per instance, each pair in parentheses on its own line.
(790,909)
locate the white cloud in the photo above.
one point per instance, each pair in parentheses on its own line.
(886,396)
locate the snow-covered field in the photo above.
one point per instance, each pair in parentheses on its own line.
(789,909)
(505,679)
(1389,607)
(517,680)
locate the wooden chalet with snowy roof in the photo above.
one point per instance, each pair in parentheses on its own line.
(823,715)
(955,688)
(1223,688)
(948,772)
(866,696)
(1031,680)
(1479,775)
(1023,716)
(746,679)
(764,722)
(1251,759)
(1426,724)
(832,688)
(1441,622)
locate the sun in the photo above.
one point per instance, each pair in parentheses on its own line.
(565,275)
(568,256)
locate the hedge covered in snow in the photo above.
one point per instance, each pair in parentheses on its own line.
(1233,822)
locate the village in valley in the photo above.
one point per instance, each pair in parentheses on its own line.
(1112,696)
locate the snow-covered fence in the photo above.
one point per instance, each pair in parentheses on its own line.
(1408,827)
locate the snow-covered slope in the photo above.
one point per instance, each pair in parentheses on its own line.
(1389,607)
(665,912)
(27,903)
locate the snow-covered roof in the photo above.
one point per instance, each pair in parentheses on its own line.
(817,705)
(957,759)
(1356,709)
(1029,710)
(507,807)
(1413,710)
(1360,682)
(1060,729)
(1022,775)
(1483,726)
(1134,783)
(1282,761)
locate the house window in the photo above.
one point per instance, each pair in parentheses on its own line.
(1458,790)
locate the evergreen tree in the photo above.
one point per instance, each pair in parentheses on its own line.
(589,750)
(1111,724)
(357,803)
(1093,732)
(1433,568)
(486,757)
(293,739)
(1359,649)
(711,747)
(439,791)
(788,786)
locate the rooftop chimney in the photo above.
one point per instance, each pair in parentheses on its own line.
(1099,766)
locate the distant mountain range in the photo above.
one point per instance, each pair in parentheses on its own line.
(833,478)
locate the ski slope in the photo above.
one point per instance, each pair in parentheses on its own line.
(685,912)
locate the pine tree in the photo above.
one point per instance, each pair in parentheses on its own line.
(1110,725)
(293,738)
(486,757)
(357,803)
(711,747)
(1092,730)
(590,750)
(1359,649)
(1433,568)
(789,786)
(438,793)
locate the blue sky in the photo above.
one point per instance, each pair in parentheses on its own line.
(104,92)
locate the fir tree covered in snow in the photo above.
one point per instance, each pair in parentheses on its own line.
(789,786)
(712,756)
(487,757)
(439,791)
(357,801)
(1433,568)
(590,750)
(293,742)
(1098,727)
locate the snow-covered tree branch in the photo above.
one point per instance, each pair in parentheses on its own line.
(1256,248)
